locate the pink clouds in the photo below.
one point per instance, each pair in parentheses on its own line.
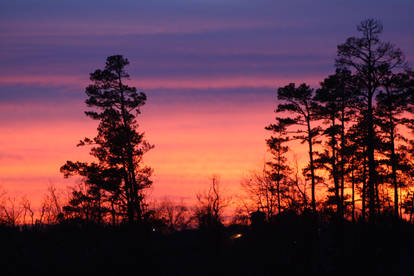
(161,83)
(43,80)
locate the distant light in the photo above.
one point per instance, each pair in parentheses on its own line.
(236,236)
(153,229)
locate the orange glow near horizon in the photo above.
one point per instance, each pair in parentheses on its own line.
(191,145)
(193,140)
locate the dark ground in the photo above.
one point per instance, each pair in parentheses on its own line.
(289,246)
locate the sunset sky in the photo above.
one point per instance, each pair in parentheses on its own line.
(210,70)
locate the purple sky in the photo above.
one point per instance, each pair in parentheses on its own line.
(173,45)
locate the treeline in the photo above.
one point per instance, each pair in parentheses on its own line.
(20,212)
(357,127)
(163,215)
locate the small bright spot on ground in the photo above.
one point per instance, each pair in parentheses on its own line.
(236,236)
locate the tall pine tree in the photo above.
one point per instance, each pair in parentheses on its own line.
(371,60)
(299,102)
(118,146)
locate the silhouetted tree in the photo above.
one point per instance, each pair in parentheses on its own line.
(118,146)
(391,107)
(370,60)
(299,102)
(262,193)
(51,207)
(210,206)
(240,216)
(297,198)
(336,99)
(27,210)
(408,206)
(10,210)
(356,150)
(97,196)
(279,168)
(176,216)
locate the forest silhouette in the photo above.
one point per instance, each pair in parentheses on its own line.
(349,209)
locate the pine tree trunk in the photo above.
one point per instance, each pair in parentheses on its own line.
(371,162)
(312,169)
(353,191)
